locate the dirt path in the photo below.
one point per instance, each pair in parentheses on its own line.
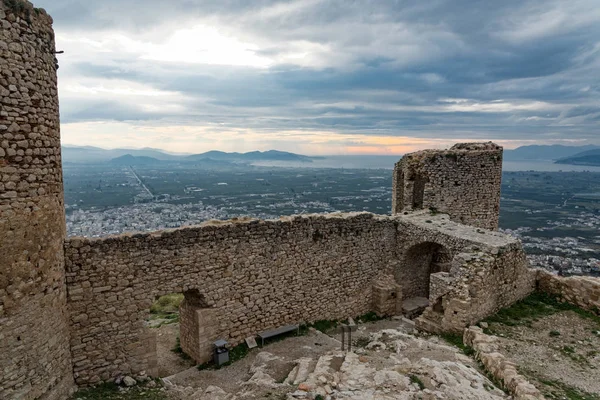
(169,362)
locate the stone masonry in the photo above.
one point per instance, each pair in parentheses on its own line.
(248,276)
(35,359)
(73,310)
(463,182)
(583,291)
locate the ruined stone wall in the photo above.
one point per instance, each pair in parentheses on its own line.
(498,366)
(463,182)
(250,275)
(583,291)
(35,359)
(489,273)
(478,285)
(256,275)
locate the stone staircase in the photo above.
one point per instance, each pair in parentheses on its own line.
(320,377)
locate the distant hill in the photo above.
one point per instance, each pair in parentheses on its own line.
(89,154)
(545,152)
(128,159)
(271,155)
(590,157)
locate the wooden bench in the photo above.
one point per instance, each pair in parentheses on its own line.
(276,332)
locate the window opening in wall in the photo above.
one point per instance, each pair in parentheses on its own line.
(164,322)
(400,191)
(418,192)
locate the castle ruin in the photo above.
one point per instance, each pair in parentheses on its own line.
(72,310)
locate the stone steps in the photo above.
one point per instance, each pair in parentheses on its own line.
(301,371)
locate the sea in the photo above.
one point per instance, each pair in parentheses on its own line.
(387,162)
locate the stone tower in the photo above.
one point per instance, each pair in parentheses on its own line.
(34,334)
(463,182)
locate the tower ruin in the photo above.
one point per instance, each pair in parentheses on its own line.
(34,333)
(463,182)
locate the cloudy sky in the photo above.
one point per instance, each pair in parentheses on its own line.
(327,76)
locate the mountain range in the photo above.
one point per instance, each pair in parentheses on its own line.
(580,155)
(545,152)
(147,156)
(589,157)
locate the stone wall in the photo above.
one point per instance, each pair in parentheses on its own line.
(481,279)
(199,327)
(250,276)
(35,359)
(497,365)
(463,182)
(583,291)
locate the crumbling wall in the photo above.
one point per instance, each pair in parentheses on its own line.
(463,182)
(480,283)
(35,359)
(583,291)
(252,276)
(256,275)
(497,365)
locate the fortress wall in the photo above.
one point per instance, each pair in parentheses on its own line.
(34,335)
(257,275)
(249,275)
(463,182)
(583,291)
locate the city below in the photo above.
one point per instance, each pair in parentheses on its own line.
(555,214)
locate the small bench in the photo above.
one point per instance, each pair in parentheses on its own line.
(276,332)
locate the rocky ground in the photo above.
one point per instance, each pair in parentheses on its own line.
(388,362)
(558,353)
(555,346)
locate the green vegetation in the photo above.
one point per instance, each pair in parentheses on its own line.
(324,325)
(235,354)
(456,340)
(554,333)
(368,317)
(248,189)
(179,351)
(535,306)
(418,381)
(167,306)
(111,391)
(558,390)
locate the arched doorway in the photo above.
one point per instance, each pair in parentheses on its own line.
(420,261)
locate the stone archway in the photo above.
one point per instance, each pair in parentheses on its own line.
(419,262)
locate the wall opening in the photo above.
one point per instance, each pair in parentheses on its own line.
(420,261)
(164,322)
(398,203)
(418,192)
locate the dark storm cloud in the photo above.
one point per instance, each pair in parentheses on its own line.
(483,69)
